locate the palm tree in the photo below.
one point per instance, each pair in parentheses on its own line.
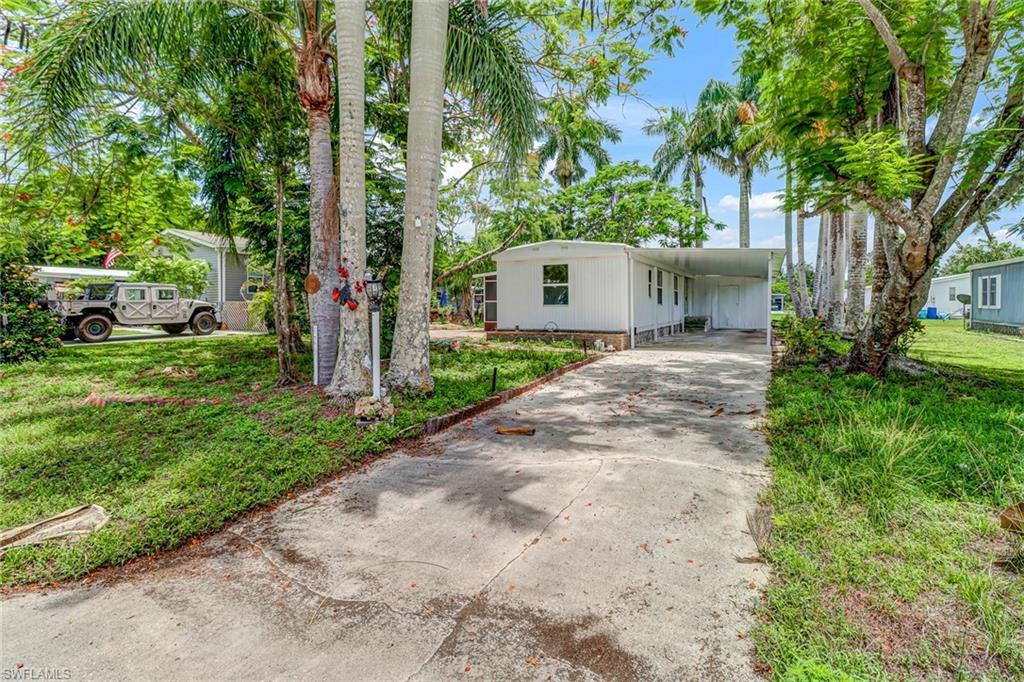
(351,370)
(723,111)
(570,134)
(477,47)
(679,151)
(111,49)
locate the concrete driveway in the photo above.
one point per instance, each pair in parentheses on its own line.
(609,545)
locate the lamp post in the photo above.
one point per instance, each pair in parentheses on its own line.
(374,292)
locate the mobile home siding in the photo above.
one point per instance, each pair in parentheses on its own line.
(1011,282)
(938,293)
(647,313)
(205,253)
(753,301)
(235,274)
(597,299)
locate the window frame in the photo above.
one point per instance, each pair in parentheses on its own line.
(675,290)
(952,294)
(659,280)
(650,280)
(130,290)
(545,285)
(986,301)
(160,293)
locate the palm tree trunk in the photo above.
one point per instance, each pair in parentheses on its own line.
(698,192)
(314,79)
(791,274)
(352,372)
(835,317)
(880,258)
(858,268)
(821,267)
(801,268)
(286,372)
(410,354)
(744,171)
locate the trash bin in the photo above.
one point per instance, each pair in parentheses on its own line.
(933,313)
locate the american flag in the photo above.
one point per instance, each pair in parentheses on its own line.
(112,256)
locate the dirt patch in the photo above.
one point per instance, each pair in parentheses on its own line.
(930,638)
(534,635)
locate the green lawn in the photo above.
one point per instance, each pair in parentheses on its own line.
(946,342)
(887,561)
(169,472)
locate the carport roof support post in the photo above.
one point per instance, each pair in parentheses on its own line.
(768,331)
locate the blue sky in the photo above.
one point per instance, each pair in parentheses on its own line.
(710,52)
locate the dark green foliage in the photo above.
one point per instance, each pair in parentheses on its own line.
(28,329)
(806,339)
(966,255)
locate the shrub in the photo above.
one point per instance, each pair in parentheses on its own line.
(261,307)
(806,339)
(907,338)
(29,330)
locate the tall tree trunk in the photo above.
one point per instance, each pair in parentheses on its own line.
(880,259)
(791,274)
(314,79)
(286,372)
(834,316)
(858,233)
(410,354)
(698,192)
(801,268)
(744,171)
(352,372)
(295,344)
(821,266)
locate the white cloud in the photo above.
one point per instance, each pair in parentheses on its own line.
(456,168)
(762,206)
(728,237)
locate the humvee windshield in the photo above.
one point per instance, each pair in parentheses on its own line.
(98,292)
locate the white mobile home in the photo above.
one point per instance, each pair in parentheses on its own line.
(635,294)
(944,290)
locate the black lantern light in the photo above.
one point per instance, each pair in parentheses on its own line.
(374,290)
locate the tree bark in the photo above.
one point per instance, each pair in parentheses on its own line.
(821,267)
(698,191)
(352,371)
(286,372)
(801,267)
(835,311)
(295,344)
(744,172)
(791,275)
(410,354)
(314,79)
(880,260)
(858,268)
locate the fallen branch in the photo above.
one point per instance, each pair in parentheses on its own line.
(483,256)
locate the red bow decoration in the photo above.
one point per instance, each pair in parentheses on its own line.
(359,287)
(343,271)
(352,305)
(335,295)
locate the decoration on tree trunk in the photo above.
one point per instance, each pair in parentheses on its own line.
(352,304)
(343,271)
(335,295)
(311,284)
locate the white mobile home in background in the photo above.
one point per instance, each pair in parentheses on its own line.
(637,294)
(944,290)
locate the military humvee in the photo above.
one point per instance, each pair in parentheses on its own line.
(92,316)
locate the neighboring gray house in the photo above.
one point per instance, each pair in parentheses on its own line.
(229,282)
(997,296)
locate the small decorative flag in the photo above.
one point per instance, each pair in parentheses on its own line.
(111,257)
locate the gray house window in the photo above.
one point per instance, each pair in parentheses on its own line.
(991,291)
(556,284)
(952,293)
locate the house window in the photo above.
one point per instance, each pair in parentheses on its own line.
(165,294)
(659,286)
(135,294)
(952,293)
(991,291)
(648,282)
(675,289)
(556,284)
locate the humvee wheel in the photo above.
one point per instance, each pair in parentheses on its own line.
(203,323)
(174,328)
(94,328)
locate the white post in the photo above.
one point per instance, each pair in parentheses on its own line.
(375,330)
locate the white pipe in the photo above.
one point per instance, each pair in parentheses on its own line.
(768,333)
(375,330)
(316,363)
(631,293)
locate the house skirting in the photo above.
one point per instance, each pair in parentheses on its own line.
(997,328)
(618,339)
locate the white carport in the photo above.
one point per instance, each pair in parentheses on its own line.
(731,287)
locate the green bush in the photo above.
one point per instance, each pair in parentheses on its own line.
(28,329)
(806,339)
(188,274)
(261,307)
